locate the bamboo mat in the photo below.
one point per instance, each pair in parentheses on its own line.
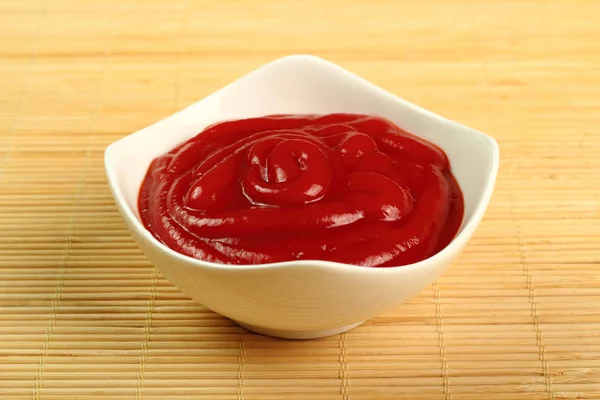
(83,315)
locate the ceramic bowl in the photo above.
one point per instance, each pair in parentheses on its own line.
(301,299)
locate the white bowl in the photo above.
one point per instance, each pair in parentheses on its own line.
(301,299)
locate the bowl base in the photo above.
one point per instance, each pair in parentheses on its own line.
(298,335)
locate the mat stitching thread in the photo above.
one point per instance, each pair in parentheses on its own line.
(60,276)
(241,364)
(68,245)
(532,301)
(52,319)
(534,309)
(441,340)
(524,264)
(147,329)
(344,387)
(49,330)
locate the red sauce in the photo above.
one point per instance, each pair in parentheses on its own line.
(349,188)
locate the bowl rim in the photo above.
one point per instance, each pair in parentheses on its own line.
(458,241)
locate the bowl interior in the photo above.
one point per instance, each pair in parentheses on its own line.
(306,84)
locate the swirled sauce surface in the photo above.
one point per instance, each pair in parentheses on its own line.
(348,188)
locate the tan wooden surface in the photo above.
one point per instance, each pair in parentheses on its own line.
(84,316)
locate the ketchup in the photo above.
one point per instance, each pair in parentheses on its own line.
(349,188)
